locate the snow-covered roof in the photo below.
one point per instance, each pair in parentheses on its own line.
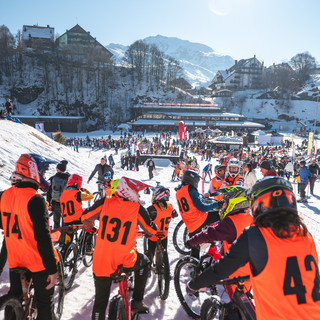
(47,117)
(37,32)
(197,123)
(202,114)
(177,107)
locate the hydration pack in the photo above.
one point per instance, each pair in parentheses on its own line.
(58,186)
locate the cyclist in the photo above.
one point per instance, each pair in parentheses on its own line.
(71,205)
(233,176)
(160,213)
(281,252)
(218,181)
(107,182)
(193,210)
(24,219)
(235,217)
(119,217)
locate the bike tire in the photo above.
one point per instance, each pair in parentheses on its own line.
(117,309)
(70,265)
(179,238)
(163,273)
(86,258)
(59,290)
(209,309)
(187,269)
(11,308)
(145,245)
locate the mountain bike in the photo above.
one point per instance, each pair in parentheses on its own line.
(76,251)
(240,307)
(119,307)
(160,266)
(25,307)
(180,237)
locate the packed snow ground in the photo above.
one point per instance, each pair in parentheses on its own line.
(19,138)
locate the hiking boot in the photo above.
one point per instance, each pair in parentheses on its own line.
(139,306)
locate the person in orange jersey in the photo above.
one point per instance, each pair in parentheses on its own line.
(233,176)
(192,207)
(218,181)
(24,219)
(119,217)
(281,252)
(161,213)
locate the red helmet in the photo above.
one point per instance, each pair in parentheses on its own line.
(75,181)
(26,166)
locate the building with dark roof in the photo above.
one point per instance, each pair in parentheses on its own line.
(81,40)
(38,37)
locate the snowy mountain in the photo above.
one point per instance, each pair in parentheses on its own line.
(199,61)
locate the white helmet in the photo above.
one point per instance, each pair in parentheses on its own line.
(235,164)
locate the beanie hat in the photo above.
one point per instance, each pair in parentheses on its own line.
(266,164)
(62,165)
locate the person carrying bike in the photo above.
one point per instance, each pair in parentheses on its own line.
(160,213)
(193,209)
(119,218)
(101,168)
(281,252)
(24,219)
(235,217)
(71,206)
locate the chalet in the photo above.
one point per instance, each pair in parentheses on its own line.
(38,37)
(244,74)
(166,116)
(81,40)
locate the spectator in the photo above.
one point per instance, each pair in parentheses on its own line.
(8,106)
(111,161)
(266,169)
(101,168)
(151,166)
(304,175)
(289,170)
(249,176)
(314,170)
(58,184)
(207,171)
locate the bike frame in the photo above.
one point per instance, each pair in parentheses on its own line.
(124,292)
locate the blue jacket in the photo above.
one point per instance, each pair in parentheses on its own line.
(207,168)
(304,174)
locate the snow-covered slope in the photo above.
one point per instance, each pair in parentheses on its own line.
(19,138)
(199,61)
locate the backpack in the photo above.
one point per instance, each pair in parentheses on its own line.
(58,186)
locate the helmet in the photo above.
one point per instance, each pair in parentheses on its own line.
(191,177)
(235,200)
(160,193)
(128,188)
(114,185)
(234,163)
(27,167)
(43,165)
(107,176)
(219,167)
(272,194)
(75,180)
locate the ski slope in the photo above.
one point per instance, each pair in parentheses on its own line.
(19,138)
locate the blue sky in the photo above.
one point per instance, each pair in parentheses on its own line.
(274,30)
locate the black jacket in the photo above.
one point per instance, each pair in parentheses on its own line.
(101,171)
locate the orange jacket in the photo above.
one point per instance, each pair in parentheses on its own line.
(71,208)
(240,221)
(288,286)
(162,220)
(191,216)
(18,230)
(116,240)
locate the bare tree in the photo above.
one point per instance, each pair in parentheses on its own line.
(303,64)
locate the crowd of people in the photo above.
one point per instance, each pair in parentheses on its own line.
(260,214)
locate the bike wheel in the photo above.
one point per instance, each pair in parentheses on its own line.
(11,309)
(163,272)
(117,309)
(145,245)
(179,238)
(87,258)
(209,309)
(59,290)
(70,265)
(186,270)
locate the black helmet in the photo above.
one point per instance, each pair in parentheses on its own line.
(220,167)
(191,177)
(272,194)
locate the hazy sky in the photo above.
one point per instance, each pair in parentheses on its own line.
(274,30)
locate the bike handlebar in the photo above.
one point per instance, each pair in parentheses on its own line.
(235,280)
